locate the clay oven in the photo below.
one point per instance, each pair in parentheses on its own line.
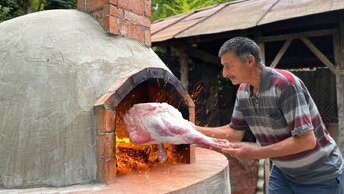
(66,79)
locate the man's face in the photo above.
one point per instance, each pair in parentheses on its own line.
(234,68)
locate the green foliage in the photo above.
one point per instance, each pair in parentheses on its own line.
(61,4)
(38,5)
(10,9)
(13,8)
(165,8)
(160,8)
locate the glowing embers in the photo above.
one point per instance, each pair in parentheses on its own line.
(132,157)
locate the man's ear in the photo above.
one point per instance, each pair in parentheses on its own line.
(251,60)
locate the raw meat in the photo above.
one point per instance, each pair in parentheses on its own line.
(156,123)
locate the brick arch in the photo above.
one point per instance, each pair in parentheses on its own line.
(105,110)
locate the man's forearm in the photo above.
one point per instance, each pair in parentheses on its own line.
(289,146)
(223,132)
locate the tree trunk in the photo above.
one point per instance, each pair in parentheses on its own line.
(39,5)
(27,6)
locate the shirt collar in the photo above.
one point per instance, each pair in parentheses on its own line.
(264,79)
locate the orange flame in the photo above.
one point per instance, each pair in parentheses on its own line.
(133,157)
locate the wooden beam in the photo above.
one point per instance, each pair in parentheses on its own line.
(261,45)
(336,49)
(300,35)
(281,53)
(219,36)
(318,20)
(204,56)
(319,54)
(184,69)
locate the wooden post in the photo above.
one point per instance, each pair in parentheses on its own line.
(261,44)
(339,56)
(184,69)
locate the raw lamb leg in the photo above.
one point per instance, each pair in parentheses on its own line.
(156,123)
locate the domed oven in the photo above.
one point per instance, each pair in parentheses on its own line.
(67,77)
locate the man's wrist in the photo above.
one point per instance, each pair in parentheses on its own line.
(256,152)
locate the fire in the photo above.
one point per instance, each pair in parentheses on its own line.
(133,157)
(140,158)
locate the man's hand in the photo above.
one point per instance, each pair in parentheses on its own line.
(221,143)
(291,145)
(243,152)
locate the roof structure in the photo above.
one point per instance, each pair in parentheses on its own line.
(237,15)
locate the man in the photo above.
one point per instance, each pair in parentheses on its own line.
(277,107)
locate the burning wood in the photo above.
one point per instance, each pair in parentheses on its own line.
(133,157)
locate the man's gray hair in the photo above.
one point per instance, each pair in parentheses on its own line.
(241,47)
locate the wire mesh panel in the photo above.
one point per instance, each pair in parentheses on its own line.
(320,81)
(321,84)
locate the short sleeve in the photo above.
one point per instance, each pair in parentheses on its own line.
(238,121)
(294,105)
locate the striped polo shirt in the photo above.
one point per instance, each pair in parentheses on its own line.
(284,108)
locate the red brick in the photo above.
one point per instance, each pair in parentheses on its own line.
(125,4)
(136,6)
(81,5)
(243,176)
(124,28)
(132,17)
(98,4)
(106,145)
(113,10)
(105,119)
(114,2)
(110,24)
(104,100)
(136,32)
(146,22)
(107,170)
(148,41)
(147,8)
(95,4)
(98,14)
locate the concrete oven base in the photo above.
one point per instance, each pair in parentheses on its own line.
(209,174)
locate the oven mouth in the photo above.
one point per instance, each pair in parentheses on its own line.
(116,155)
